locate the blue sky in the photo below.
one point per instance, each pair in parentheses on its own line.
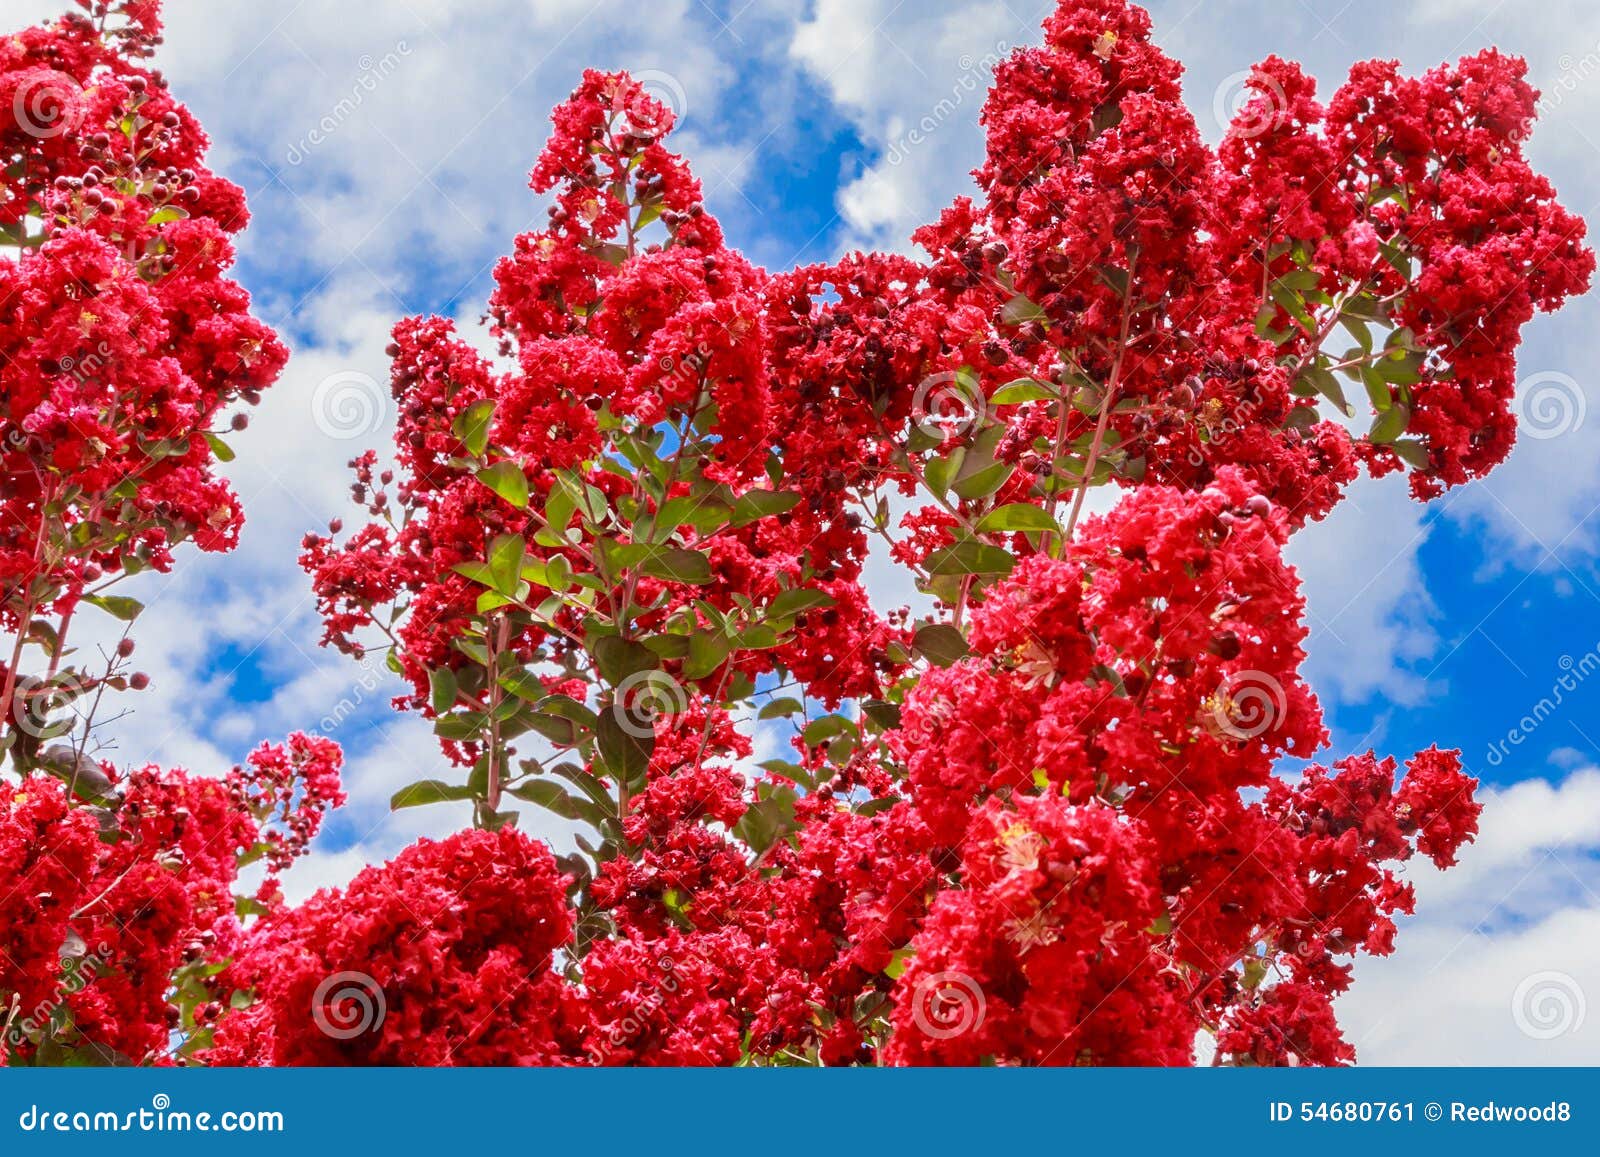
(385,148)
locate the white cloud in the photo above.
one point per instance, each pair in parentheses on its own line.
(1505,947)
(1367,600)
(912,80)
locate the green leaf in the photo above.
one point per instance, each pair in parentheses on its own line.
(970,557)
(1412,451)
(505,563)
(507,480)
(826,727)
(442,689)
(479,572)
(899,960)
(881,712)
(939,643)
(982,483)
(675,564)
(1018,516)
(117,606)
(471,426)
(522,683)
(428,791)
(756,504)
(464,725)
(221,449)
(793,772)
(165,214)
(1378,391)
(625,754)
(707,650)
(1390,424)
(558,512)
(769,819)
(939,473)
(1328,386)
(1022,390)
(1359,330)
(555,798)
(619,658)
(1019,309)
(781,708)
(566,707)
(797,601)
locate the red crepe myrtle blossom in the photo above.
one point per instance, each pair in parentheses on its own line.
(1051,830)
(1048,825)
(138,891)
(122,341)
(122,344)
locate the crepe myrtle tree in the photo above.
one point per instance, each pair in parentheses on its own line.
(123,344)
(1039,825)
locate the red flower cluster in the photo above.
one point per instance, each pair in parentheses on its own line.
(1049,822)
(117,918)
(122,341)
(441,957)
(1054,830)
